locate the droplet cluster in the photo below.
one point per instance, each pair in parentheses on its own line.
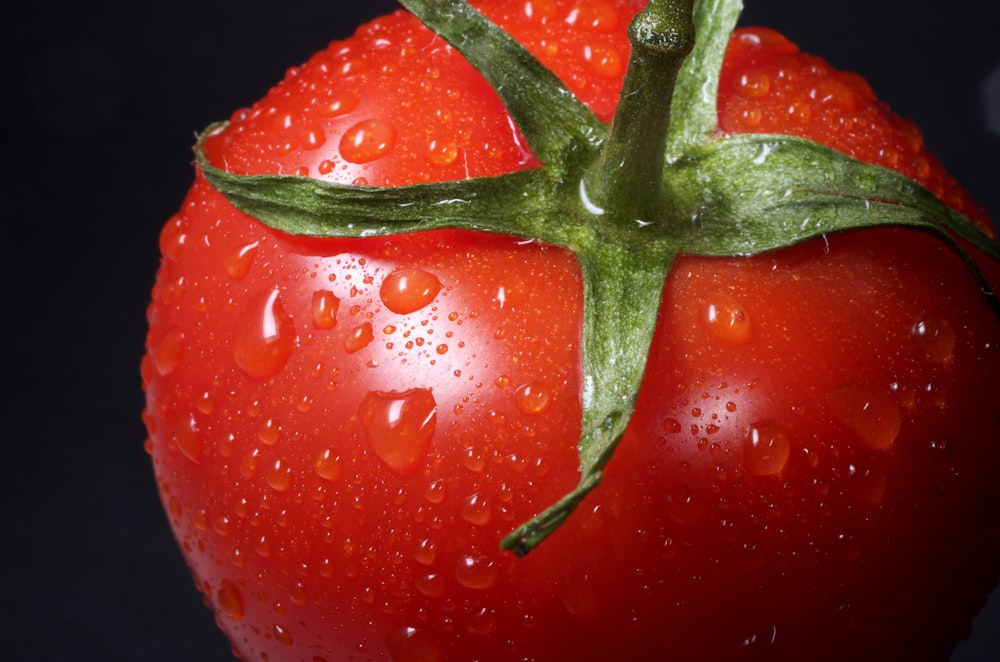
(769,86)
(394,105)
(343,401)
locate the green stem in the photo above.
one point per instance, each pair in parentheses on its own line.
(630,171)
(625,253)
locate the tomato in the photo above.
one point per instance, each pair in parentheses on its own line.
(344,429)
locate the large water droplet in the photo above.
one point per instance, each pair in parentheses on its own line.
(279,475)
(269,433)
(265,336)
(230,600)
(367,141)
(239,261)
(312,137)
(476,572)
(325,306)
(359,338)
(766,449)
(431,585)
(603,61)
(169,351)
(408,290)
(868,411)
(281,635)
(339,105)
(399,426)
(533,398)
(754,84)
(425,552)
(435,492)
(441,153)
(936,338)
(188,437)
(327,465)
(727,320)
(476,510)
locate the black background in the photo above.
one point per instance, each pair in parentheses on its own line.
(102,101)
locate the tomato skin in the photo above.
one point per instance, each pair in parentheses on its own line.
(849,528)
(807,473)
(289,519)
(272,474)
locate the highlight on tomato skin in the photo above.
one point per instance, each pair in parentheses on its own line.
(342,430)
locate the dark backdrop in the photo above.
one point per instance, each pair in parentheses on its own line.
(102,101)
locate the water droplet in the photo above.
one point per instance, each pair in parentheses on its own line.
(413,645)
(683,505)
(399,426)
(173,238)
(298,594)
(269,432)
(169,351)
(482,622)
(476,572)
(867,484)
(766,449)
(359,338)
(936,338)
(754,84)
(940,448)
(533,398)
(595,14)
(798,112)
(671,425)
(833,93)
(727,320)
(868,411)
(431,585)
(539,10)
(603,61)
(473,460)
(281,635)
(239,261)
(312,138)
(367,141)
(425,552)
(250,463)
(222,525)
(325,306)
(265,336)
(435,492)
(230,600)
(441,153)
(408,290)
(279,475)
(342,104)
(200,519)
(206,403)
(327,465)
(189,438)
(476,510)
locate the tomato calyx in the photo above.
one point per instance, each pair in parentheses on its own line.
(626,200)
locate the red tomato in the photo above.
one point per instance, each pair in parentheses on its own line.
(343,430)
